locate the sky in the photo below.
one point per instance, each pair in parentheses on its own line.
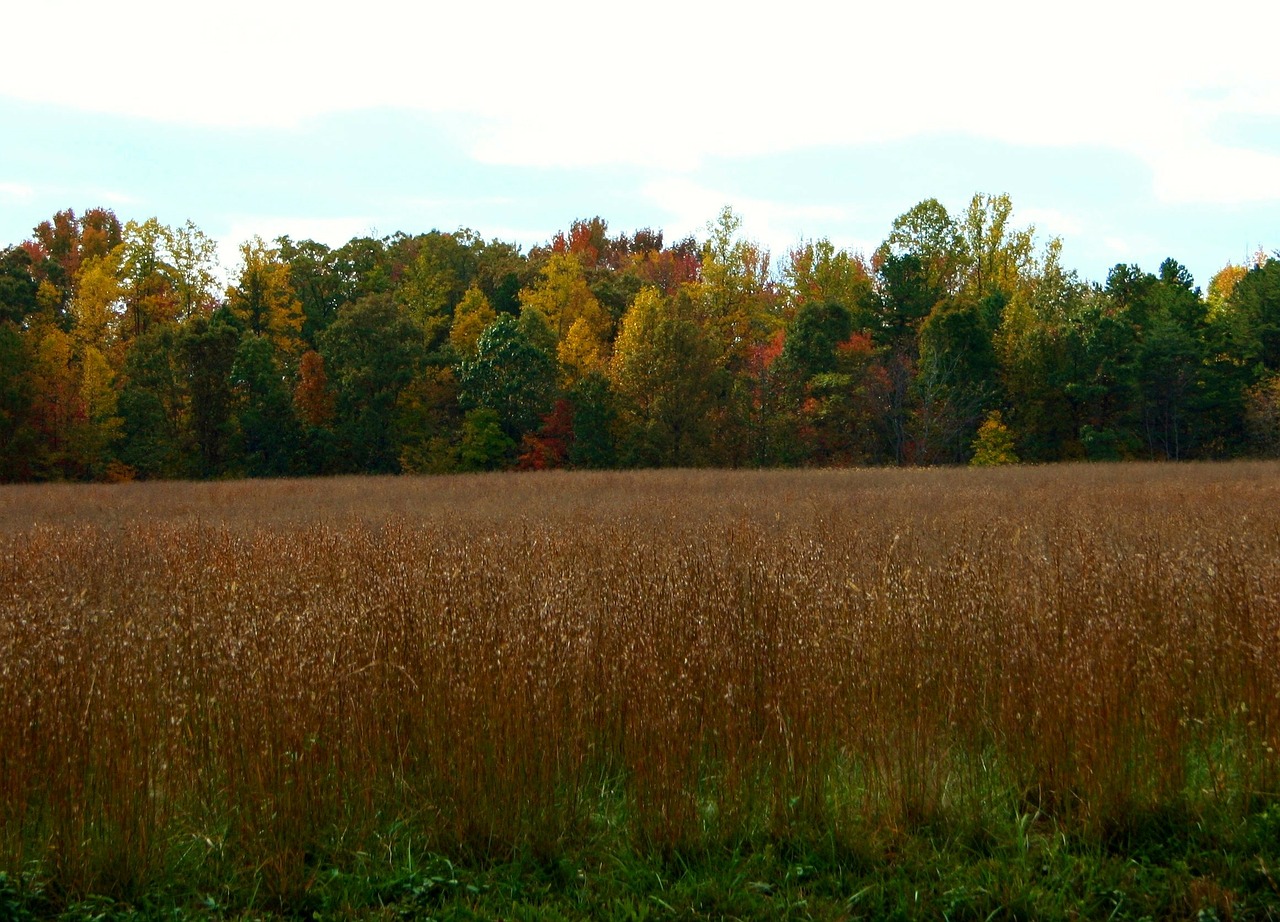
(1134,131)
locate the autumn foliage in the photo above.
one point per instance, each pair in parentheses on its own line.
(128,351)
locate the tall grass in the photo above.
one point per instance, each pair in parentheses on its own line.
(252,682)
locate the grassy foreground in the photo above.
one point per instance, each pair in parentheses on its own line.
(1035,693)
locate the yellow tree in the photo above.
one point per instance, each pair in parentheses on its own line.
(99,398)
(263,299)
(470,318)
(75,372)
(580,352)
(99,303)
(663,372)
(98,308)
(57,408)
(156,274)
(735,300)
(1221,286)
(193,257)
(148,276)
(994,444)
(997,257)
(817,273)
(636,338)
(563,297)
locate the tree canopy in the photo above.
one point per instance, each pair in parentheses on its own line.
(126,351)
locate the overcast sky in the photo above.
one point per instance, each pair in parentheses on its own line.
(1134,131)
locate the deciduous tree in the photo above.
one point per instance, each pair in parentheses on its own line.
(927,234)
(264,301)
(510,374)
(563,297)
(371,353)
(662,372)
(470,318)
(208,347)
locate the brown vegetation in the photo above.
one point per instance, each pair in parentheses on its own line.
(264,678)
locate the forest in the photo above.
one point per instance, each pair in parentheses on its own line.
(126,352)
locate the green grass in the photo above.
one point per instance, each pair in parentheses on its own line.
(1022,867)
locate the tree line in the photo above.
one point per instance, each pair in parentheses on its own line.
(959,340)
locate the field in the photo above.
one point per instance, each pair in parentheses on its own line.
(1018,693)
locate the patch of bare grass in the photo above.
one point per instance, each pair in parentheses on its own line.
(253,681)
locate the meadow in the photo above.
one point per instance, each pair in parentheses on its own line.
(1044,692)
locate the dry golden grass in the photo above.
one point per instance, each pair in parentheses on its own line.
(262,678)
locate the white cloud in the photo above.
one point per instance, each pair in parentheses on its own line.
(1204,173)
(16,192)
(329,231)
(108,197)
(1119,247)
(23,193)
(461,201)
(778,226)
(524,237)
(332,232)
(1050,222)
(676,83)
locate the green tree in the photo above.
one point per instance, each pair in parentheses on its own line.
(594,420)
(18,288)
(207,349)
(148,276)
(511,375)
(929,236)
(442,272)
(1170,364)
(958,379)
(429,421)
(371,352)
(360,268)
(906,295)
(1262,409)
(316,284)
(17,437)
(484,446)
(501,271)
(1255,302)
(907,292)
(153,407)
(1040,341)
(193,256)
(813,338)
(840,414)
(267,431)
